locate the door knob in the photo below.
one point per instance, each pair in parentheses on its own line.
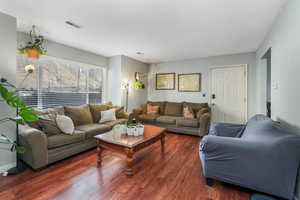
(213,96)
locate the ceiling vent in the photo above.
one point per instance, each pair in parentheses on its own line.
(73,24)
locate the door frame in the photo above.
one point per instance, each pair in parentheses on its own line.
(246,84)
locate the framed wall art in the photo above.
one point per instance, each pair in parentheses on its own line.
(165,81)
(189,82)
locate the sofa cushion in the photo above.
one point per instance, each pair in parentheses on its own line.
(109,103)
(80,115)
(144,108)
(115,122)
(48,125)
(51,111)
(173,109)
(187,122)
(152,110)
(108,115)
(96,109)
(148,118)
(64,139)
(91,130)
(195,106)
(65,124)
(160,104)
(58,110)
(166,119)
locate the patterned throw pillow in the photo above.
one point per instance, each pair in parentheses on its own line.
(188,112)
(48,124)
(152,110)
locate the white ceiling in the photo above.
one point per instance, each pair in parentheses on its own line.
(164,30)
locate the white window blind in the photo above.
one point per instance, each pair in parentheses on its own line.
(58,82)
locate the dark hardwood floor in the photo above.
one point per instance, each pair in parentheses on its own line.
(176,175)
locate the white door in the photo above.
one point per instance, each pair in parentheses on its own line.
(229,94)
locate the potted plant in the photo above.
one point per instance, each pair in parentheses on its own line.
(25,114)
(138,83)
(35,46)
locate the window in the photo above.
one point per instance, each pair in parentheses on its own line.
(58,82)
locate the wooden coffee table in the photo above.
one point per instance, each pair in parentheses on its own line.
(129,145)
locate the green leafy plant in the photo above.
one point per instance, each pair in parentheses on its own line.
(25,114)
(36,44)
(139,85)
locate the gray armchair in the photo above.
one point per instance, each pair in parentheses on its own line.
(262,155)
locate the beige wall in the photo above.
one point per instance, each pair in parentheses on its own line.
(202,65)
(284,40)
(122,69)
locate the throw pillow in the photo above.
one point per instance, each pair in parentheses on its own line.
(160,104)
(152,110)
(96,109)
(173,109)
(109,103)
(65,124)
(48,124)
(108,115)
(188,112)
(80,115)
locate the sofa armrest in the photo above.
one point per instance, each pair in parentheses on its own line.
(137,111)
(36,144)
(124,115)
(241,162)
(215,144)
(204,123)
(202,111)
(226,129)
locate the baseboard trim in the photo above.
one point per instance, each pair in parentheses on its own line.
(4,168)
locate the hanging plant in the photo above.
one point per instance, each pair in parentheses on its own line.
(35,46)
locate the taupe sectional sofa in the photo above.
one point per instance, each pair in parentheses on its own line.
(171,117)
(43,149)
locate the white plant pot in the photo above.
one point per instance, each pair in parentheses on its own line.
(135,131)
(141,130)
(129,131)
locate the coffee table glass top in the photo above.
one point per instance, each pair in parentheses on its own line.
(115,136)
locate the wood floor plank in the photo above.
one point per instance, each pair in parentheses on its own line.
(174,175)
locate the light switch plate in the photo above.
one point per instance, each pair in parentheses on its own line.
(275,86)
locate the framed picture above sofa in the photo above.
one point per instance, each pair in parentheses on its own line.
(189,82)
(165,81)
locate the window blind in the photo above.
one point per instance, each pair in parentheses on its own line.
(57,82)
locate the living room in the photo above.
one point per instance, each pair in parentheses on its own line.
(149,99)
